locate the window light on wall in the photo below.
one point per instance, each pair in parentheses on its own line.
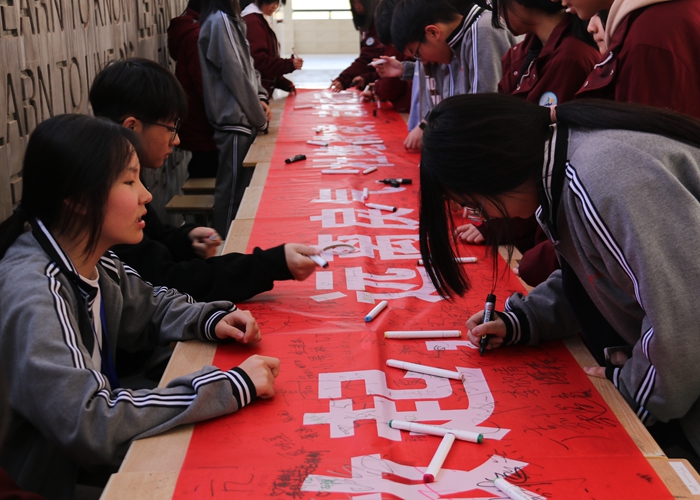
(321,9)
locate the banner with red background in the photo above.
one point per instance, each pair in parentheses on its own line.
(325,433)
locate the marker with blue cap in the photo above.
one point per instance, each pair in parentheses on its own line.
(375,312)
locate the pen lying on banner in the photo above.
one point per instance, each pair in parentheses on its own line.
(428,370)
(422,334)
(436,430)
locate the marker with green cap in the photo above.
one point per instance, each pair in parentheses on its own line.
(435,430)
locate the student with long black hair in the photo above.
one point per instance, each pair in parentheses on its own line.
(68,304)
(617,189)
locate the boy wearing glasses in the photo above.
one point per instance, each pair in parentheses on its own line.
(456,43)
(144,96)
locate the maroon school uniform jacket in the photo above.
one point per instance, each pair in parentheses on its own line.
(555,74)
(265,50)
(653,58)
(395,90)
(549,79)
(195,133)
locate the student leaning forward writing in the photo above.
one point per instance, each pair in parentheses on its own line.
(617,188)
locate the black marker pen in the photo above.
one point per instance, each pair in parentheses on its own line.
(295,158)
(488,315)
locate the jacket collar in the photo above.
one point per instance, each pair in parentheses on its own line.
(621,9)
(251,9)
(455,38)
(57,255)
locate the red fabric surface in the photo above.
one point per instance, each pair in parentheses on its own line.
(324,434)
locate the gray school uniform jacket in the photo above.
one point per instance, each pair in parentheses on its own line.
(628,224)
(231,85)
(475,67)
(65,413)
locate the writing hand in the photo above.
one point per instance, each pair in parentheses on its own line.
(298,262)
(358,82)
(205,241)
(496,328)
(336,86)
(391,68)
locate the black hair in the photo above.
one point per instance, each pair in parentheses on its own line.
(547,7)
(195,5)
(382,20)
(482,146)
(137,87)
(603,15)
(412,16)
(71,161)
(364,21)
(266,2)
(230,7)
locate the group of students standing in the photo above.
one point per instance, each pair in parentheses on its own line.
(504,136)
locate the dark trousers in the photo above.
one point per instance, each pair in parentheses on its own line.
(231,178)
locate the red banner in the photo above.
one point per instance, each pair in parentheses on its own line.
(326,432)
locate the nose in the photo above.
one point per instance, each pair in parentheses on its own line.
(176,140)
(145,196)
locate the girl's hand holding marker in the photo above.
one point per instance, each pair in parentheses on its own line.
(495,329)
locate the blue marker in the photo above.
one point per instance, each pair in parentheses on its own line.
(488,315)
(374,312)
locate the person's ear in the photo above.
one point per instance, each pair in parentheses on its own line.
(132,123)
(432,32)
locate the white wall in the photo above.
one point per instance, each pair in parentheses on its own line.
(329,36)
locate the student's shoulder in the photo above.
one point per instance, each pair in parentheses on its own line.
(25,264)
(666,24)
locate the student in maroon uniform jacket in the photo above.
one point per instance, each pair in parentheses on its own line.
(196,134)
(546,68)
(653,50)
(265,48)
(359,74)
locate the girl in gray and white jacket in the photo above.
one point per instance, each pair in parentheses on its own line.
(617,189)
(68,304)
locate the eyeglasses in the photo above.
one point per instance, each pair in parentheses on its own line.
(416,54)
(174,129)
(476,214)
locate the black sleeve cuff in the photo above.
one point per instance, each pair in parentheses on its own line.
(242,387)
(612,373)
(517,327)
(210,323)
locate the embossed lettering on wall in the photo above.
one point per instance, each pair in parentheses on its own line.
(51,51)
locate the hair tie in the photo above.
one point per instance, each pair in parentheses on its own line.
(553,114)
